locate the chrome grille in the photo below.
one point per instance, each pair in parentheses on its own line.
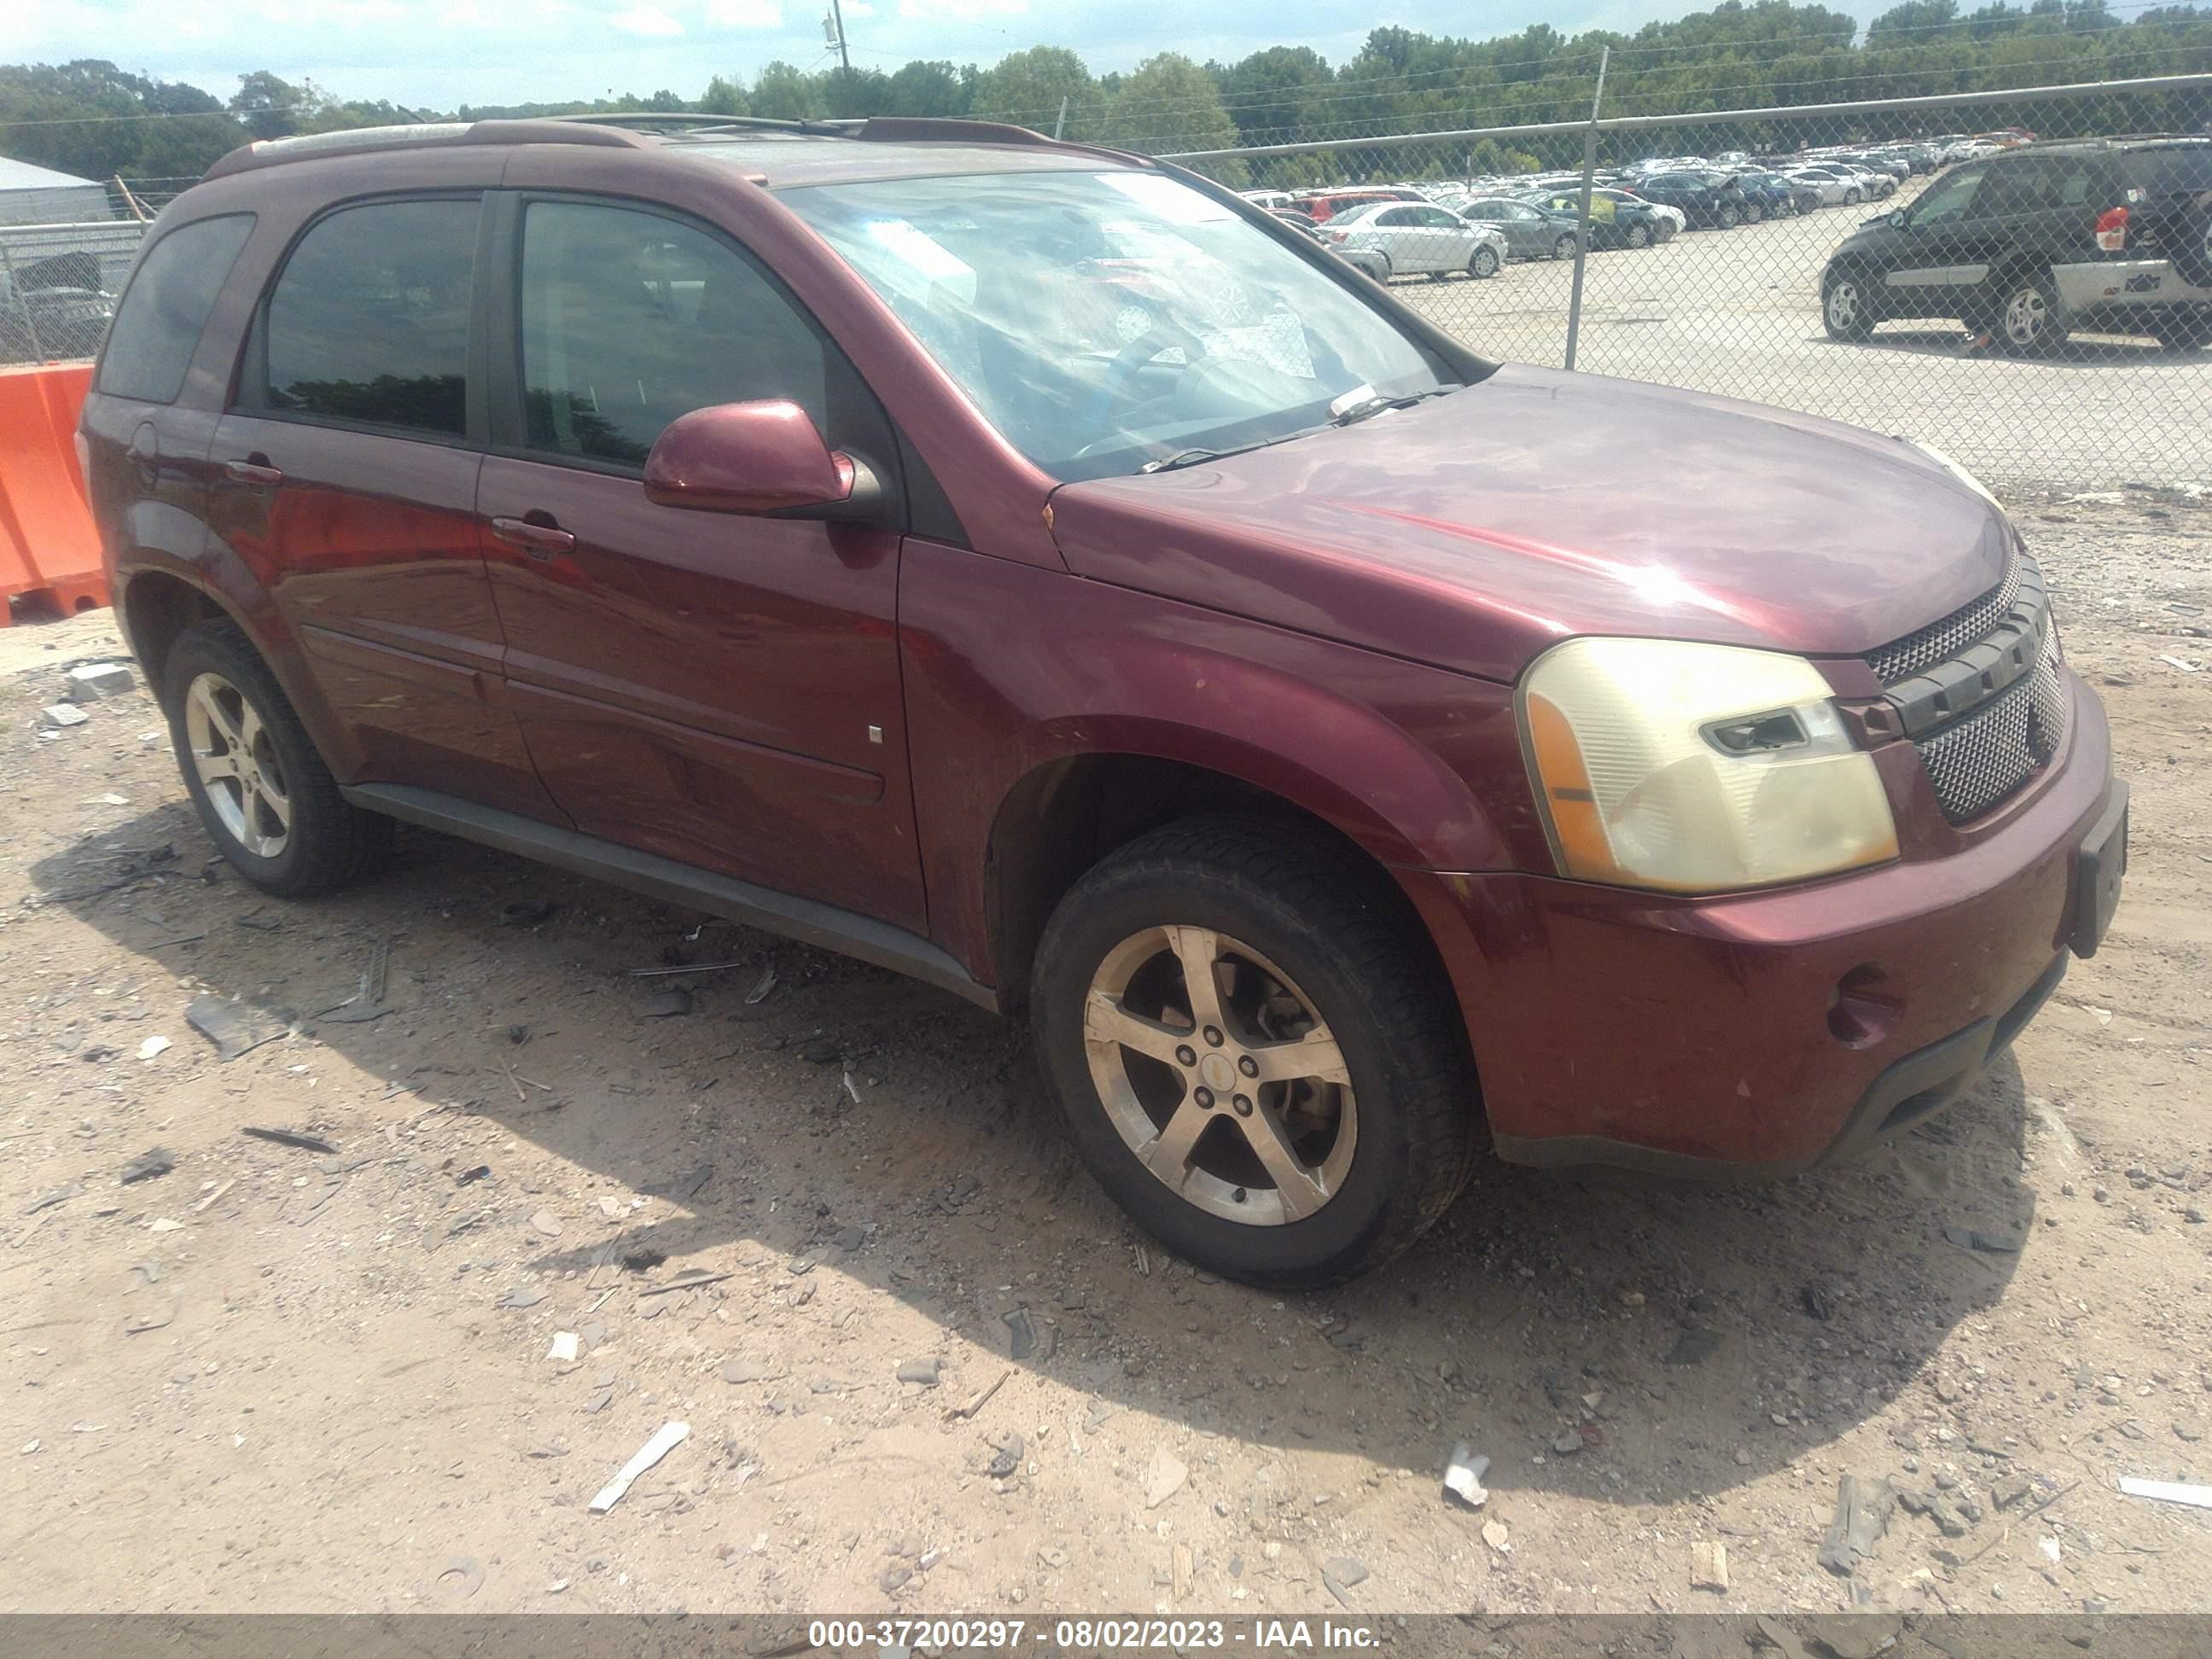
(1939,641)
(1976,762)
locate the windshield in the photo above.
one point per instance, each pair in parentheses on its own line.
(1105,320)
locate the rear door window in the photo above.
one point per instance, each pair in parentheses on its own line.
(165,307)
(369,320)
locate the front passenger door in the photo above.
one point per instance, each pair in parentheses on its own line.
(720,690)
(1935,258)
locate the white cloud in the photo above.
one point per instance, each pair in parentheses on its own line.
(646,20)
(859,9)
(745,14)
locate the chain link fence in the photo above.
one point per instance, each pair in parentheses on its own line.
(58,286)
(2022,279)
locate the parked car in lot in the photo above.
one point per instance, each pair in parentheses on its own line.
(1369,262)
(1764,197)
(1038,571)
(1418,239)
(1322,205)
(1838,186)
(1707,199)
(1617,219)
(1531,231)
(2035,241)
(1668,221)
(1797,195)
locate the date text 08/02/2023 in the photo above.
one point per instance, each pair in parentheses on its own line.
(1291,1635)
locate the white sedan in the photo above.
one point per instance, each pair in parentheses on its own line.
(1838,186)
(1416,238)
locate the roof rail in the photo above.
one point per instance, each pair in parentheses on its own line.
(361,140)
(687,125)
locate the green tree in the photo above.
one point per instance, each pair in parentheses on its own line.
(784,92)
(1169,103)
(1025,87)
(273,108)
(931,87)
(725,97)
(1272,95)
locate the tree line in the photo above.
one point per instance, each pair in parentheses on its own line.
(94,120)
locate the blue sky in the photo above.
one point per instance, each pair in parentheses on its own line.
(443,52)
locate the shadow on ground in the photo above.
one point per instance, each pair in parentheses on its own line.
(1702,1336)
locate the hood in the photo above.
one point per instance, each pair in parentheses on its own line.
(1473,530)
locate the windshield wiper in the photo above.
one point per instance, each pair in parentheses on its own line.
(1191,457)
(1368,408)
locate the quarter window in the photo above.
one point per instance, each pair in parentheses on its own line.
(166,307)
(630,319)
(370,320)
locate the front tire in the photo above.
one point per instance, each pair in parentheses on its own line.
(1564,248)
(1729,215)
(1638,236)
(1483,263)
(1752,213)
(1256,1056)
(1854,196)
(263,792)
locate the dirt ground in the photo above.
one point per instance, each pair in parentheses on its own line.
(275,1378)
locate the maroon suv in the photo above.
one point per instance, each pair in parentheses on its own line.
(1032,568)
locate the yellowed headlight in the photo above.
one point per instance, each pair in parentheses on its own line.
(1697,768)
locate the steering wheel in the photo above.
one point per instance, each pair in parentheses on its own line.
(1128,362)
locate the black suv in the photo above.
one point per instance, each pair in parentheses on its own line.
(2112,234)
(1710,200)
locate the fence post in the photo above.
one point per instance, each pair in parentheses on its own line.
(23,304)
(1583,218)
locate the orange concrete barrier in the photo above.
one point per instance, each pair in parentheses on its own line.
(47,543)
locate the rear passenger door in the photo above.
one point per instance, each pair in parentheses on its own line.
(718,690)
(344,473)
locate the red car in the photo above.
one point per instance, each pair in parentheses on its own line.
(1322,205)
(1031,568)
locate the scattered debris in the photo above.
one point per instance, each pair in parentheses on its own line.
(153,1162)
(684,1281)
(1006,1453)
(1818,1302)
(672,1004)
(665,1440)
(547,1223)
(1164,1477)
(959,1413)
(1968,1239)
(1021,1335)
(2185,665)
(2167,1491)
(744,1368)
(234,1028)
(525,1296)
(469,1177)
(527,912)
(924,1372)
(564,1349)
(1862,1512)
(1852,1636)
(1339,1573)
(458,1580)
(216,1193)
(1463,1476)
(760,992)
(1709,1567)
(61,715)
(682,968)
(1495,1534)
(88,682)
(643,1260)
(151,1047)
(145,1322)
(306,1143)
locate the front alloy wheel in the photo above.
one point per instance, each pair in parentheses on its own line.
(1483,263)
(1255,1051)
(1844,308)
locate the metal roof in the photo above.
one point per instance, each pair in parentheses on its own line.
(23,176)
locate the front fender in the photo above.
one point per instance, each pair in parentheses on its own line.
(1009,669)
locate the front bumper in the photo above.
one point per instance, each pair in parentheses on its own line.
(1756,1035)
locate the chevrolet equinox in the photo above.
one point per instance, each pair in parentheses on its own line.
(1029,567)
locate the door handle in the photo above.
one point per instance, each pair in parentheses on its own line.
(255,470)
(540,541)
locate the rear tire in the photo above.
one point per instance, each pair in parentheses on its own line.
(1564,248)
(1729,215)
(1854,196)
(2028,319)
(1847,306)
(263,792)
(1291,1184)
(1638,236)
(1752,213)
(1483,263)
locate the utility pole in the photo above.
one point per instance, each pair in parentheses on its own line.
(1061,126)
(1583,220)
(835,26)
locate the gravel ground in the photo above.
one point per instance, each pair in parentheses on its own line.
(1739,313)
(276,1378)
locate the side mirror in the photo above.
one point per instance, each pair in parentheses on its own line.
(756,458)
(1898,220)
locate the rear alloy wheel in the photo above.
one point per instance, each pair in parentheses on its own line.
(2030,321)
(1752,213)
(1854,196)
(1253,1055)
(1731,215)
(263,792)
(1844,307)
(1638,236)
(1564,248)
(1483,262)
